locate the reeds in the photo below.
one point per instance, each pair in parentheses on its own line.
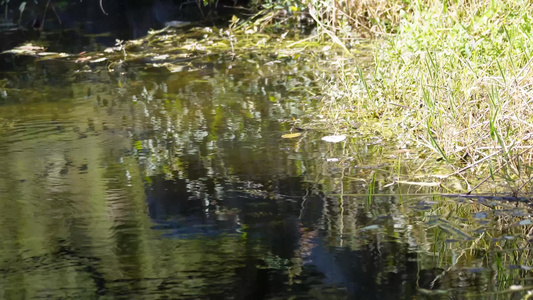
(452,77)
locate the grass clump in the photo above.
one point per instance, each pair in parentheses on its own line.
(451,76)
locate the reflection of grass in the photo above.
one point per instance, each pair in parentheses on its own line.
(479,246)
(500,244)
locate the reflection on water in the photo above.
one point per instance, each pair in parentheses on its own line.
(138,183)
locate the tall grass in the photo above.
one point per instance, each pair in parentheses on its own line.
(453,77)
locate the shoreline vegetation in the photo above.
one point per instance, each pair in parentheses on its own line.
(450,80)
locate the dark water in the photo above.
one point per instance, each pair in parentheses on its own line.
(144,184)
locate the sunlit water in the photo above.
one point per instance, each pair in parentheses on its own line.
(144,184)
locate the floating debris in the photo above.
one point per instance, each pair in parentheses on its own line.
(291,135)
(334,138)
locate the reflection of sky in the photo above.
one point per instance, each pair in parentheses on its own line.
(364,272)
(327,263)
(276,227)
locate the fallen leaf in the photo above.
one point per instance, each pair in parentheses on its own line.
(291,135)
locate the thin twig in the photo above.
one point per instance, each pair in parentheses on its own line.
(523,185)
(44,15)
(55,13)
(496,170)
(474,163)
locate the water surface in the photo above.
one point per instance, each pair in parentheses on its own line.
(142,183)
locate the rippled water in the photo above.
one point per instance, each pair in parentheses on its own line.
(144,184)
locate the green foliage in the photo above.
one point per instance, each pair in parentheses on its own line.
(458,70)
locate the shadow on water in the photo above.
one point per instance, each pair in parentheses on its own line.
(76,26)
(150,184)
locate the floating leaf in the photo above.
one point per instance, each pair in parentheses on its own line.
(291,135)
(334,138)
